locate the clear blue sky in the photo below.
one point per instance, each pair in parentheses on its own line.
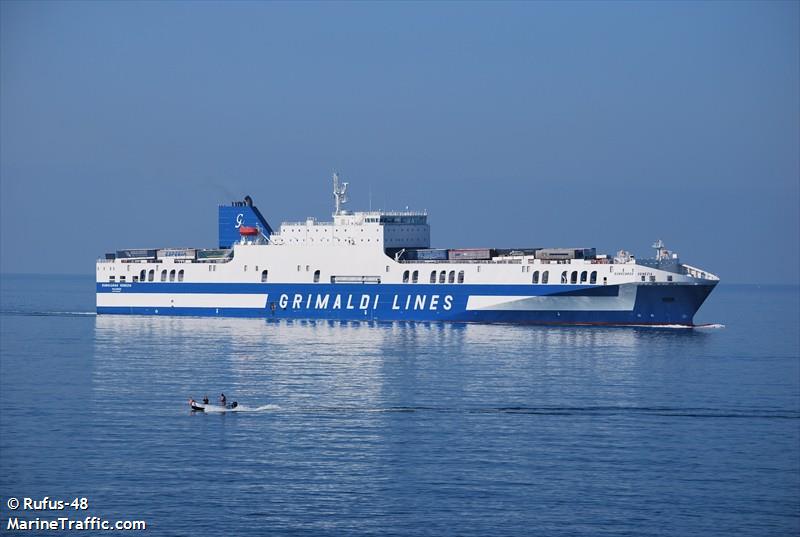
(515,124)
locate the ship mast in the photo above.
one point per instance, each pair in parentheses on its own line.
(339,194)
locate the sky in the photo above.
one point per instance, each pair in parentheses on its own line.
(124,125)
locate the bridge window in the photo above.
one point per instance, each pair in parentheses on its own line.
(442,276)
(415,277)
(163,275)
(433,276)
(460,276)
(535,277)
(583,277)
(264,275)
(405,276)
(316,276)
(545,276)
(593,277)
(150,275)
(172,275)
(180,275)
(564,277)
(573,277)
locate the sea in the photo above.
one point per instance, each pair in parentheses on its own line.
(359,428)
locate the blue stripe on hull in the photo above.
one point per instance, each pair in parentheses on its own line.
(655,304)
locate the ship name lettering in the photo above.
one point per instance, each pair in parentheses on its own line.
(434,302)
(448,302)
(283,301)
(322,302)
(296,302)
(419,302)
(337,303)
(394,303)
(350,302)
(364,302)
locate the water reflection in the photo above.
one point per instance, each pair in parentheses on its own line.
(306,364)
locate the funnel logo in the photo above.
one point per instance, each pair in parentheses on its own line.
(239,220)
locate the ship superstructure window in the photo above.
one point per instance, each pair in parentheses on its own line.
(593,277)
(451,278)
(564,277)
(151,275)
(433,276)
(316,276)
(442,276)
(535,278)
(415,277)
(122,278)
(573,277)
(460,276)
(652,278)
(642,277)
(605,280)
(172,275)
(583,276)
(545,276)
(180,275)
(111,278)
(405,276)
(264,275)
(669,278)
(142,275)
(163,275)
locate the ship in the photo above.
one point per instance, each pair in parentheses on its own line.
(380,266)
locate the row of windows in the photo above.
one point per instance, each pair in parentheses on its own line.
(443,276)
(150,275)
(413,277)
(566,277)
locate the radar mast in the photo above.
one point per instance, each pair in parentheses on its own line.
(339,194)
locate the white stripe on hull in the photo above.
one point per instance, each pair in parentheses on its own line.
(181,300)
(623,302)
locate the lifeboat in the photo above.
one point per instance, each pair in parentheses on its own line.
(248,231)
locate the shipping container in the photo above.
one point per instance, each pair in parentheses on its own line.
(470,254)
(566,253)
(136,253)
(212,254)
(177,253)
(431,254)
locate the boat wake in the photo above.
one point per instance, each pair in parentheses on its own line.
(49,313)
(240,408)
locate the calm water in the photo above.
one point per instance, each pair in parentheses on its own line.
(403,429)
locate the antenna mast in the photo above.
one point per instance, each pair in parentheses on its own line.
(339,193)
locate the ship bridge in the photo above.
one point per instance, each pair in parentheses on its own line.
(380,229)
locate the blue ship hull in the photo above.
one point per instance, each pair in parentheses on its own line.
(628,304)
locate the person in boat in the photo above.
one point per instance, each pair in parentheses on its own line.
(234,404)
(222,398)
(205,400)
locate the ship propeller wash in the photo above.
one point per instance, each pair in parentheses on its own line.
(379,265)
